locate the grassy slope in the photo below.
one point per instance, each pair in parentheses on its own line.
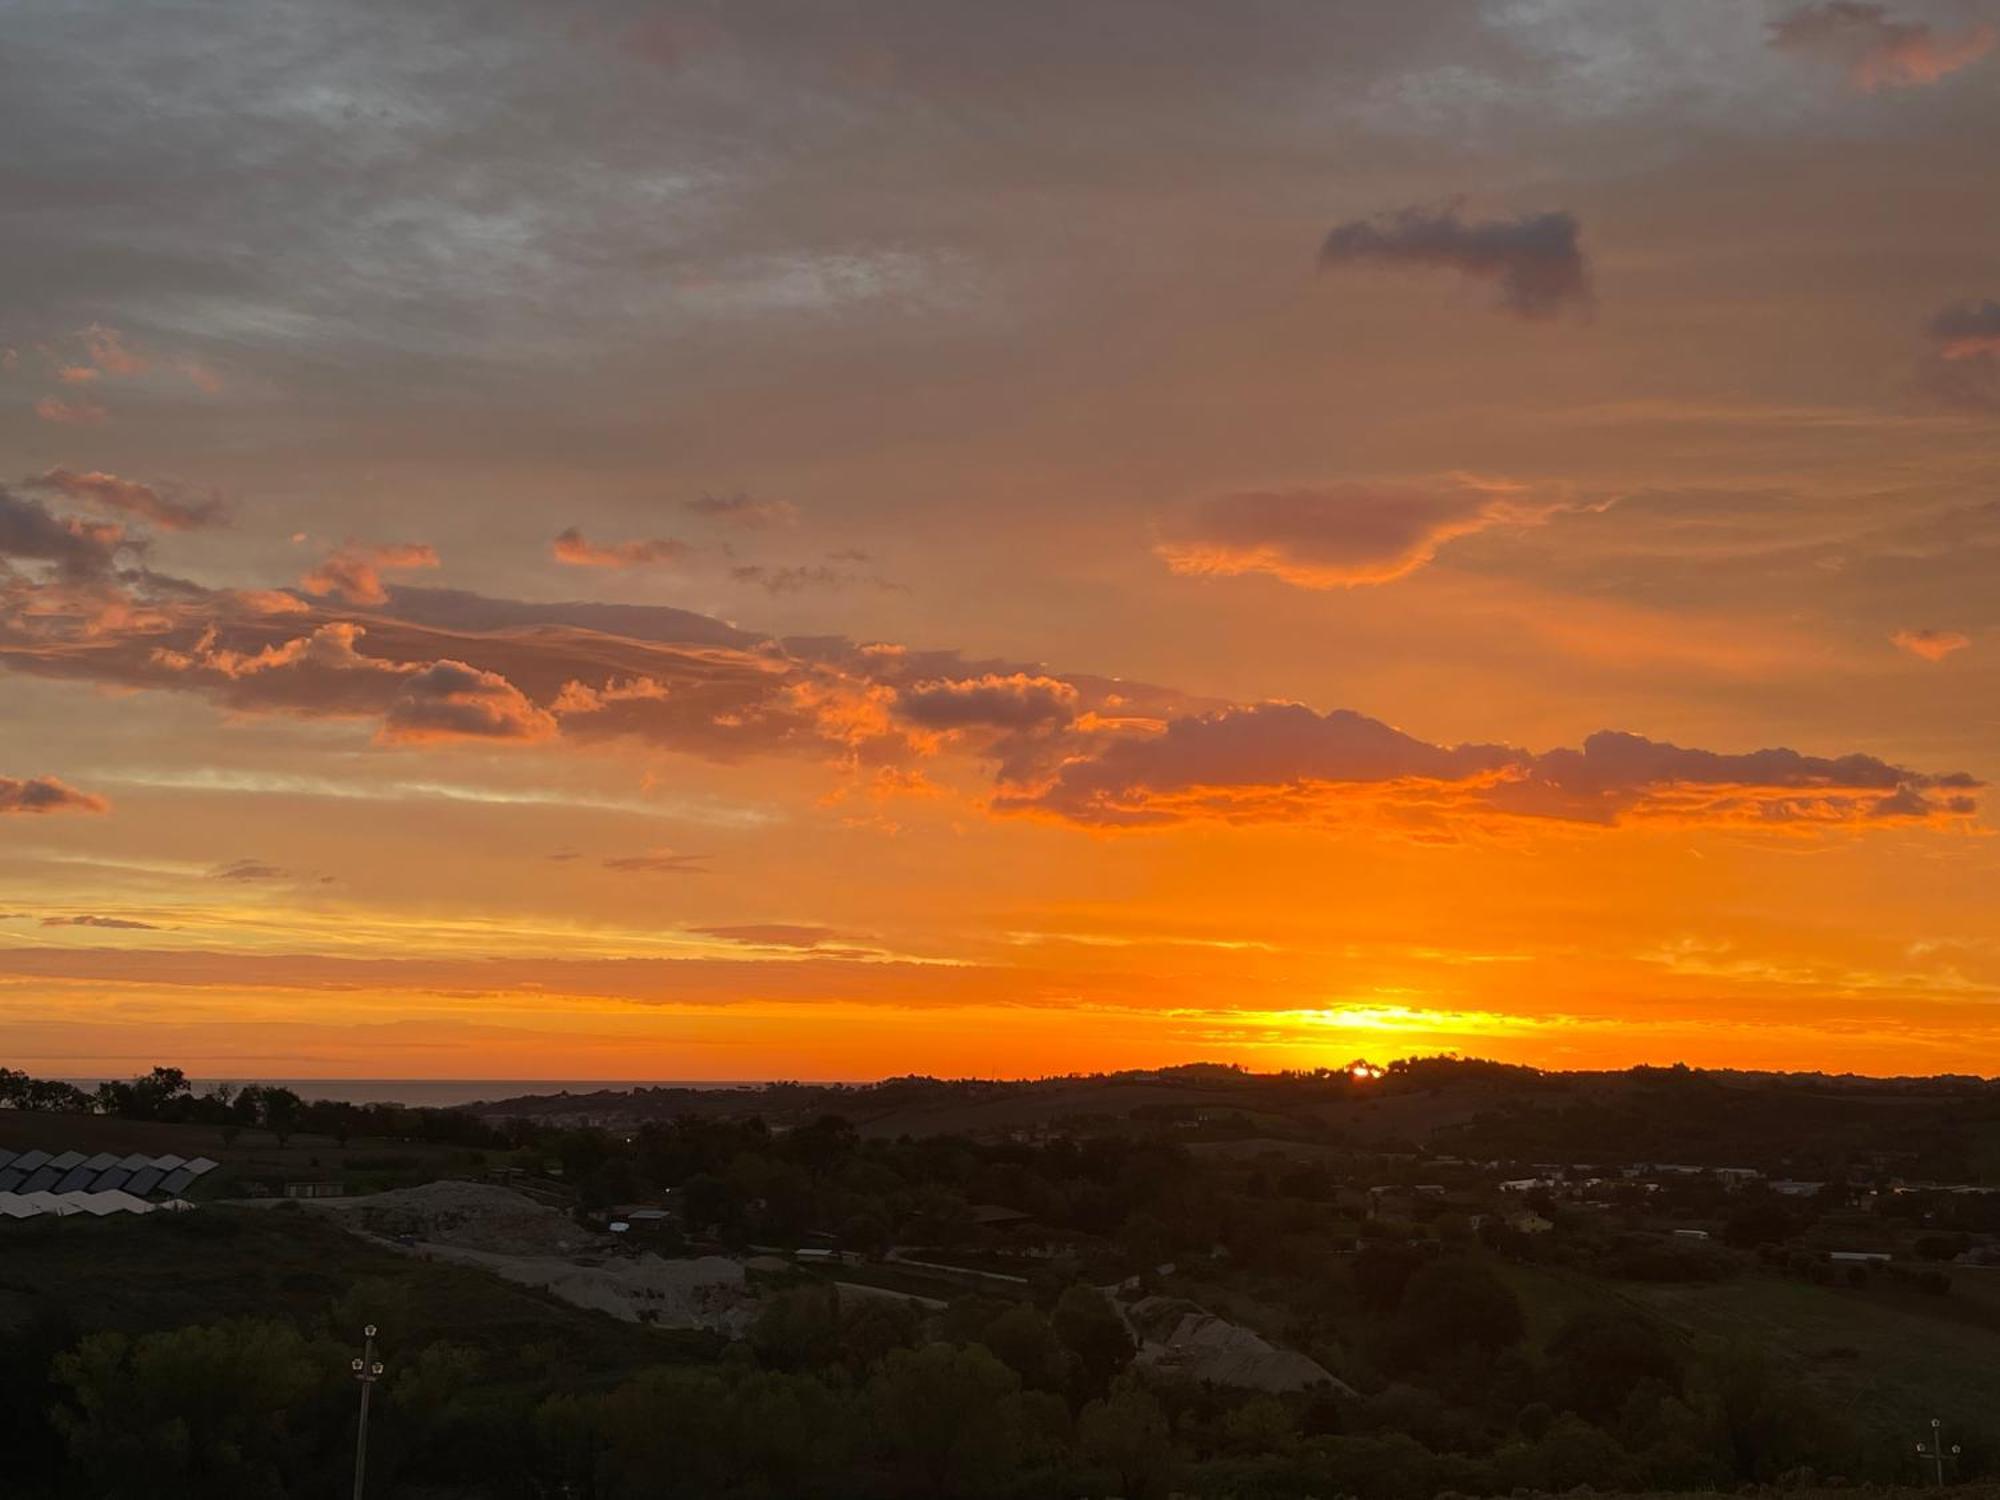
(167,1271)
(1885,1359)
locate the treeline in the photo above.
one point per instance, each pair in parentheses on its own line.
(164,1094)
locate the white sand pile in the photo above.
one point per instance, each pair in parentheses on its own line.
(468,1215)
(1182,1339)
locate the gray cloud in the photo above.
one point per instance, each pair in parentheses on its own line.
(1962,368)
(79,550)
(659,862)
(743,511)
(1535,262)
(774,934)
(248,871)
(149,502)
(1018,700)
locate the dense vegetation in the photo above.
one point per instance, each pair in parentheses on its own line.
(207,1354)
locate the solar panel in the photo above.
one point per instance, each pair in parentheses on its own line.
(100,1204)
(67,1160)
(134,1162)
(175,1182)
(29,1161)
(11,1179)
(41,1180)
(144,1181)
(76,1180)
(168,1163)
(100,1161)
(6,1157)
(109,1181)
(201,1165)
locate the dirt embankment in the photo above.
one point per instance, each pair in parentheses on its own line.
(468,1216)
(499,1230)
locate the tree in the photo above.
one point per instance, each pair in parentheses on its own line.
(947,1417)
(1127,1433)
(150,1097)
(707,1200)
(280,1108)
(220,1411)
(1600,1356)
(1023,1341)
(1089,1329)
(662,1434)
(872,1326)
(1458,1304)
(819,1145)
(798,1329)
(1382,1272)
(19,1091)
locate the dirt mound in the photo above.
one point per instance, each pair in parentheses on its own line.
(470,1215)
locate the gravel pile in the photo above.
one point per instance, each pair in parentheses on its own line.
(1192,1342)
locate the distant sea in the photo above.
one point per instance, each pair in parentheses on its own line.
(444,1092)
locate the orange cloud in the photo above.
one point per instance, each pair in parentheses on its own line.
(355,573)
(1086,751)
(45,794)
(1342,535)
(201,377)
(1284,762)
(1931,645)
(574,548)
(108,351)
(1876,51)
(70,413)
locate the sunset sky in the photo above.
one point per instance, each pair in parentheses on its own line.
(817,538)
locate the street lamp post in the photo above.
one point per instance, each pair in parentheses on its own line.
(367,1370)
(1935,1450)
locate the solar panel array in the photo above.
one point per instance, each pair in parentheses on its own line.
(33,1183)
(35,1205)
